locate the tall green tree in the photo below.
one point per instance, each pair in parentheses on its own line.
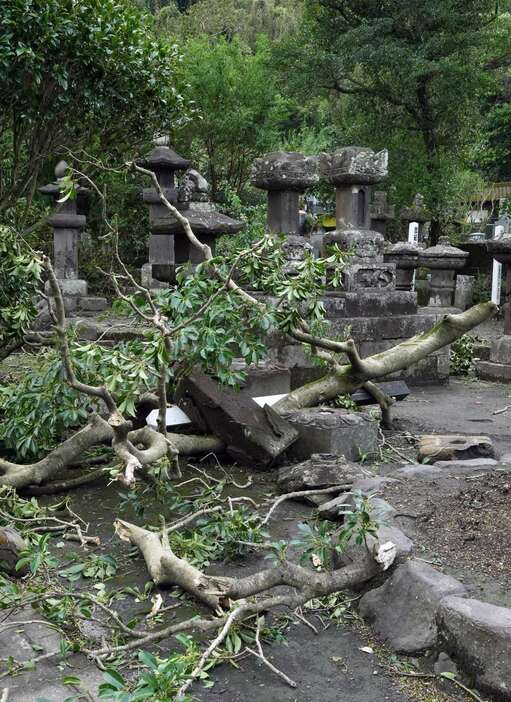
(416,67)
(240,112)
(75,73)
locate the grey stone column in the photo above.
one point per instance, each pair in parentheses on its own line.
(165,163)
(285,176)
(352,170)
(444,261)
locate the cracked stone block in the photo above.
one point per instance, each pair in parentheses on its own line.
(478,636)
(438,447)
(253,435)
(11,545)
(403,610)
(335,431)
(320,471)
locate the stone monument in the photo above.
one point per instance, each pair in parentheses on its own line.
(443,260)
(285,176)
(67,225)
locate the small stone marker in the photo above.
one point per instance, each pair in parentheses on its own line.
(254,436)
(438,447)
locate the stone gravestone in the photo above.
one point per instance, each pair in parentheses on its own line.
(444,261)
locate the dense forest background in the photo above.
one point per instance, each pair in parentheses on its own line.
(228,80)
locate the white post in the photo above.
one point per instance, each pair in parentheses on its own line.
(413,233)
(496,278)
(413,238)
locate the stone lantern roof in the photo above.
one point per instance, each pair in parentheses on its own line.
(443,255)
(290,171)
(163,157)
(354,165)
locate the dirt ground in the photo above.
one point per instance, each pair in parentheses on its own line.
(463,525)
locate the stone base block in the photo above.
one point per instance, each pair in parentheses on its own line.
(93,304)
(498,372)
(334,431)
(380,276)
(370,303)
(71,287)
(501,350)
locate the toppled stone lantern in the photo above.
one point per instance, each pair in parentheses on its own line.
(499,365)
(285,176)
(380,211)
(444,261)
(165,163)
(405,256)
(67,225)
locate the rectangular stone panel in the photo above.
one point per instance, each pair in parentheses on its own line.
(381,276)
(254,436)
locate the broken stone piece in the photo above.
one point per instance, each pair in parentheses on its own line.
(440,447)
(11,545)
(336,508)
(253,435)
(335,431)
(321,470)
(478,635)
(403,610)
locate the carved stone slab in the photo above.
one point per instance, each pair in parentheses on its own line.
(254,436)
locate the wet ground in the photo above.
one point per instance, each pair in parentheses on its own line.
(328,665)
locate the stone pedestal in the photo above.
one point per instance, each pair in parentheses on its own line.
(285,176)
(444,261)
(405,256)
(67,225)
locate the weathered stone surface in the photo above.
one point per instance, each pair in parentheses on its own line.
(284,171)
(93,304)
(335,508)
(501,350)
(372,484)
(269,379)
(439,447)
(478,636)
(464,291)
(498,372)
(360,276)
(335,431)
(445,664)
(354,164)
(364,245)
(372,304)
(468,463)
(11,545)
(403,610)
(253,435)
(319,471)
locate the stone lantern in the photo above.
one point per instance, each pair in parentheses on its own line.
(352,170)
(499,365)
(165,163)
(405,255)
(191,198)
(444,261)
(67,225)
(285,176)
(380,211)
